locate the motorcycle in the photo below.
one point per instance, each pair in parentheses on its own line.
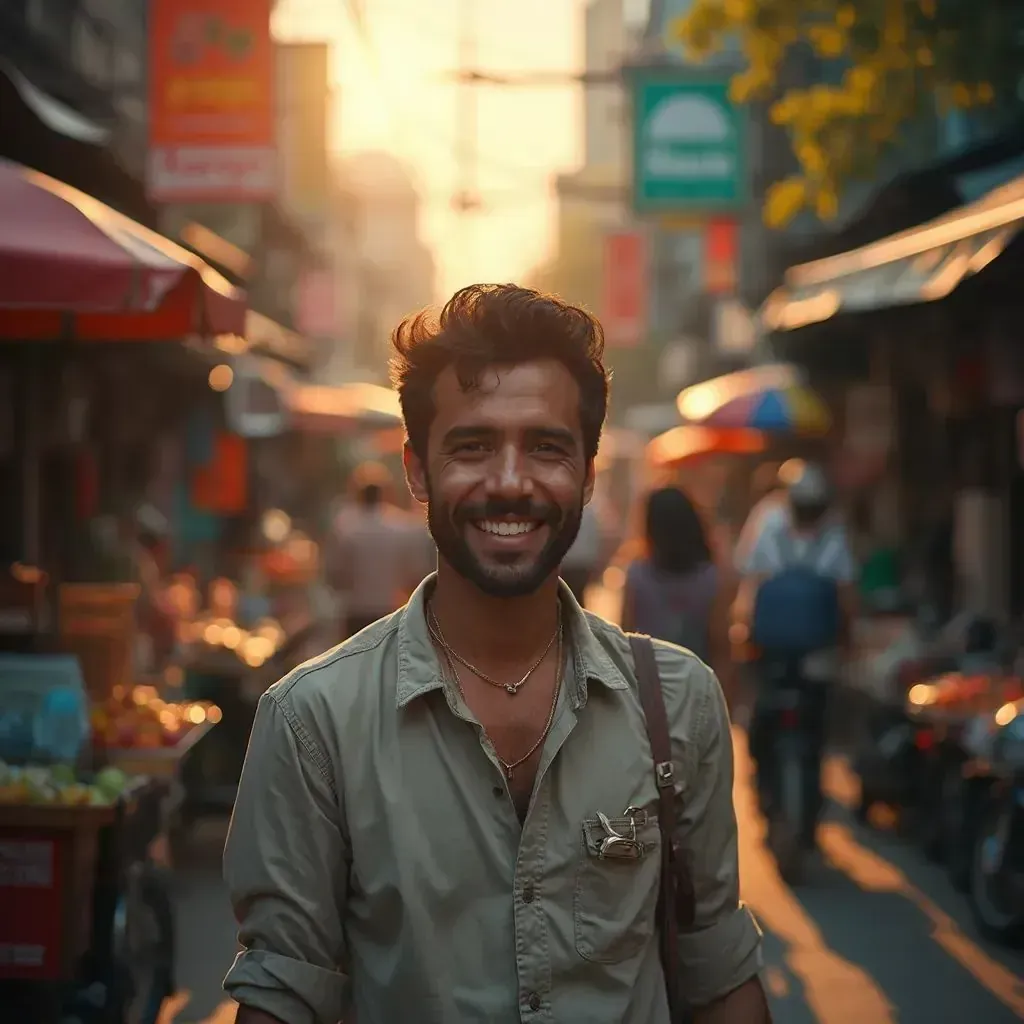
(997,862)
(788,783)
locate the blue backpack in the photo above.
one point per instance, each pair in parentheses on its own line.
(796,611)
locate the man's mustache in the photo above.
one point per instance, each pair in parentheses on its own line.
(498,509)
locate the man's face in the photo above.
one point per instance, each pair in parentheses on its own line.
(506,476)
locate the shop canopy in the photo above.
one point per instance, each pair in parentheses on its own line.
(770,397)
(344,409)
(71,267)
(921,264)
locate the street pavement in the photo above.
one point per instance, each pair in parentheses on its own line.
(873,935)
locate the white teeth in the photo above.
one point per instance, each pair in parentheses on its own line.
(504,529)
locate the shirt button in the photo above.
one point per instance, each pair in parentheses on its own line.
(529,893)
(498,792)
(534,1001)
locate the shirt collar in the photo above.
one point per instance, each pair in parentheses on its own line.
(419,671)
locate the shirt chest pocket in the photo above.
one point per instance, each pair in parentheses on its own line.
(617,884)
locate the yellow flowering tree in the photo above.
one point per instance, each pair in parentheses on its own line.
(892,59)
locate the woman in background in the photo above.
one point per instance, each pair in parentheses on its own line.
(675,591)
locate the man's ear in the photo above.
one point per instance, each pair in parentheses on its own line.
(415,474)
(588,483)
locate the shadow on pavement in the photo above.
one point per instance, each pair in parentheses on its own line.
(870,920)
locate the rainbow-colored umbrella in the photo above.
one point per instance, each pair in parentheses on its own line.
(769,398)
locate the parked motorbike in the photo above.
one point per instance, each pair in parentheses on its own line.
(997,862)
(892,760)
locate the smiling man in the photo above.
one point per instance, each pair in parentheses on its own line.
(418,830)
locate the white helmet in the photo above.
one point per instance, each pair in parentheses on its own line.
(806,483)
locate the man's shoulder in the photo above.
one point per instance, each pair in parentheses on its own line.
(687,683)
(331,682)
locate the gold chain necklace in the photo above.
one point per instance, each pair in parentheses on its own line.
(510,766)
(511,688)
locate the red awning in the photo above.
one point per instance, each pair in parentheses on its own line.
(64,253)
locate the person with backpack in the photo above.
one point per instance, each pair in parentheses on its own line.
(674,591)
(797,600)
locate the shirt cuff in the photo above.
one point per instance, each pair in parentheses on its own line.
(290,990)
(717,960)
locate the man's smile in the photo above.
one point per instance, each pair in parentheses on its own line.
(507,527)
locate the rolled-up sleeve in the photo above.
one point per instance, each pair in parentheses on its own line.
(285,864)
(722,949)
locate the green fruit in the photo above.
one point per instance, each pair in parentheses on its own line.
(111,782)
(38,794)
(62,775)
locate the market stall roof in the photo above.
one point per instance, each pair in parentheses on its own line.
(64,254)
(921,264)
(770,397)
(344,408)
(268,338)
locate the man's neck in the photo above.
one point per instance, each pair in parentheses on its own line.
(493,631)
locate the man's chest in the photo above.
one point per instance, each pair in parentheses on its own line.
(433,809)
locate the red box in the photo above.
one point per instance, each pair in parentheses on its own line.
(47,877)
(30,895)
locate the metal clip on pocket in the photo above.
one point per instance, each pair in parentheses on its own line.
(619,846)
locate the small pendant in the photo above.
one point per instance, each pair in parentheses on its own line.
(508,773)
(512,689)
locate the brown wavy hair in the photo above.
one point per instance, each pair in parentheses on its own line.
(485,325)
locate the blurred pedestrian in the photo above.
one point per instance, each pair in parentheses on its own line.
(377,553)
(767,493)
(798,600)
(674,591)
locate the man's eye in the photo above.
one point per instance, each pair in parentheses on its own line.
(469,448)
(549,448)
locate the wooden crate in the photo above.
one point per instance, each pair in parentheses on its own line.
(156,762)
(97,624)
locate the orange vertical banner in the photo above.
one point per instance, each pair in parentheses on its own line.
(222,485)
(720,253)
(212,124)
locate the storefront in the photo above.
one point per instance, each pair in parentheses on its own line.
(922,325)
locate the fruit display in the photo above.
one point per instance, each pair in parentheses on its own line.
(60,785)
(138,719)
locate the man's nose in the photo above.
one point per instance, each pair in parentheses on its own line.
(509,478)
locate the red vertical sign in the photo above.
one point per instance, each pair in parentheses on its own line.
(720,256)
(625,288)
(31,890)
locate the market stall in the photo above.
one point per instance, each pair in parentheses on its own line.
(86,787)
(91,756)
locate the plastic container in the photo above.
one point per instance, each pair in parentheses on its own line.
(44,713)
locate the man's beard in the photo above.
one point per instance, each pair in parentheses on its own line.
(448,528)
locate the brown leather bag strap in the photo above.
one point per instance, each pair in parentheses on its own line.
(676,898)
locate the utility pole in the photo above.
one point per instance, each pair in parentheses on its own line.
(466,200)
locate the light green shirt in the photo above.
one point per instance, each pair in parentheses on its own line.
(376,863)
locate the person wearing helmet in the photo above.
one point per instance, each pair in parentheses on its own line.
(798,597)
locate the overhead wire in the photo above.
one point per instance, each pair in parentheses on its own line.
(428,128)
